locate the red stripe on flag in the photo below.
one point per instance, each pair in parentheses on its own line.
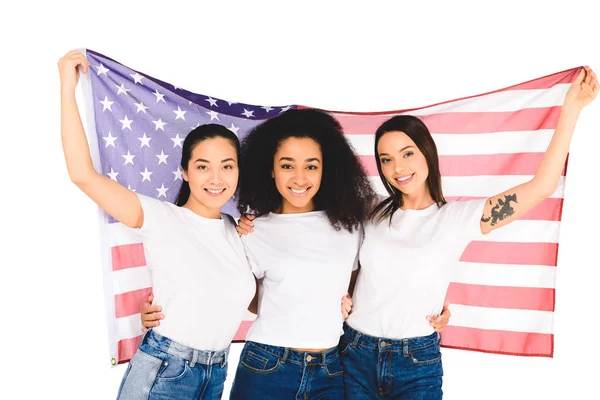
(128,256)
(528,119)
(130,303)
(127,348)
(481,164)
(548,81)
(498,342)
(548,210)
(511,253)
(242,331)
(523,298)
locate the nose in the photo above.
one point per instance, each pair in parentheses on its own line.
(399,167)
(215,177)
(300,177)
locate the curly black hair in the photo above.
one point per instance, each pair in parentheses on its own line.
(345,193)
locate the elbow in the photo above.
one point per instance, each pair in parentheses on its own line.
(544,189)
(80,178)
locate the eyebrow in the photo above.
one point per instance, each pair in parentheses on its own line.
(307,160)
(400,151)
(222,161)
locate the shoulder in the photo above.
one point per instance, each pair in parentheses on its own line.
(463,208)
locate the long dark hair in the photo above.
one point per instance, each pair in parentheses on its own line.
(199,134)
(415,129)
(345,192)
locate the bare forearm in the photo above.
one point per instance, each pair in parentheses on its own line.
(75,145)
(549,171)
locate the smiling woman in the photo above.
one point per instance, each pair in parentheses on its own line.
(297,173)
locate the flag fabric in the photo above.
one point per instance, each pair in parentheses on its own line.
(502,295)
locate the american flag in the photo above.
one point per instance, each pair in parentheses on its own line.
(502,294)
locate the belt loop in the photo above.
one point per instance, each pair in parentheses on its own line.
(357,336)
(194,358)
(405,347)
(225,357)
(324,357)
(285,355)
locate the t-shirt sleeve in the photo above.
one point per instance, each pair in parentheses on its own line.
(465,217)
(258,272)
(155,214)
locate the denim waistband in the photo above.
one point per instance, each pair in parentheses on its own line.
(304,357)
(355,337)
(194,356)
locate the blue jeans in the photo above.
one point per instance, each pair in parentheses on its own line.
(380,368)
(279,373)
(163,369)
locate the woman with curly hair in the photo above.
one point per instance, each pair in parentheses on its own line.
(310,194)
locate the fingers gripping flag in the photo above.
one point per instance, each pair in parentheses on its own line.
(502,293)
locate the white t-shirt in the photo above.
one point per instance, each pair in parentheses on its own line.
(406,267)
(200,275)
(305,266)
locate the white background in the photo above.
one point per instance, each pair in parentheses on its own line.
(338,56)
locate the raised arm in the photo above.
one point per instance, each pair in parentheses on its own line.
(512,204)
(115,199)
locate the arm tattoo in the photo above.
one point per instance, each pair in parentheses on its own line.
(502,210)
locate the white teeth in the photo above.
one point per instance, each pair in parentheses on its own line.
(215,191)
(404,179)
(298,191)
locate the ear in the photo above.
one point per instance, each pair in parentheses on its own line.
(185,175)
(272,174)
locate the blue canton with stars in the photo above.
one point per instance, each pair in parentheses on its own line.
(141,123)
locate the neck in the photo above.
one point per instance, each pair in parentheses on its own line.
(200,209)
(287,208)
(418,200)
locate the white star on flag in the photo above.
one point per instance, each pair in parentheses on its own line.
(162,157)
(145,140)
(106,104)
(126,123)
(146,175)
(159,125)
(128,158)
(162,190)
(110,140)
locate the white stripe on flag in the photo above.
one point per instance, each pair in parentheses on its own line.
(505,101)
(512,275)
(129,327)
(451,144)
(502,319)
(526,231)
(130,279)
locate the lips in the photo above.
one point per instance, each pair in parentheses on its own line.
(214,192)
(404,180)
(299,192)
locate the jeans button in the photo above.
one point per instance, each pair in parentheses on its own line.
(308,358)
(383,344)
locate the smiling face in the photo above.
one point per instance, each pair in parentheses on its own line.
(212,173)
(402,163)
(297,170)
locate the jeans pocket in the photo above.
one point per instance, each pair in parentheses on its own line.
(429,354)
(173,368)
(258,360)
(334,368)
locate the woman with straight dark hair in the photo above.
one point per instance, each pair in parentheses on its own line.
(413,239)
(195,255)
